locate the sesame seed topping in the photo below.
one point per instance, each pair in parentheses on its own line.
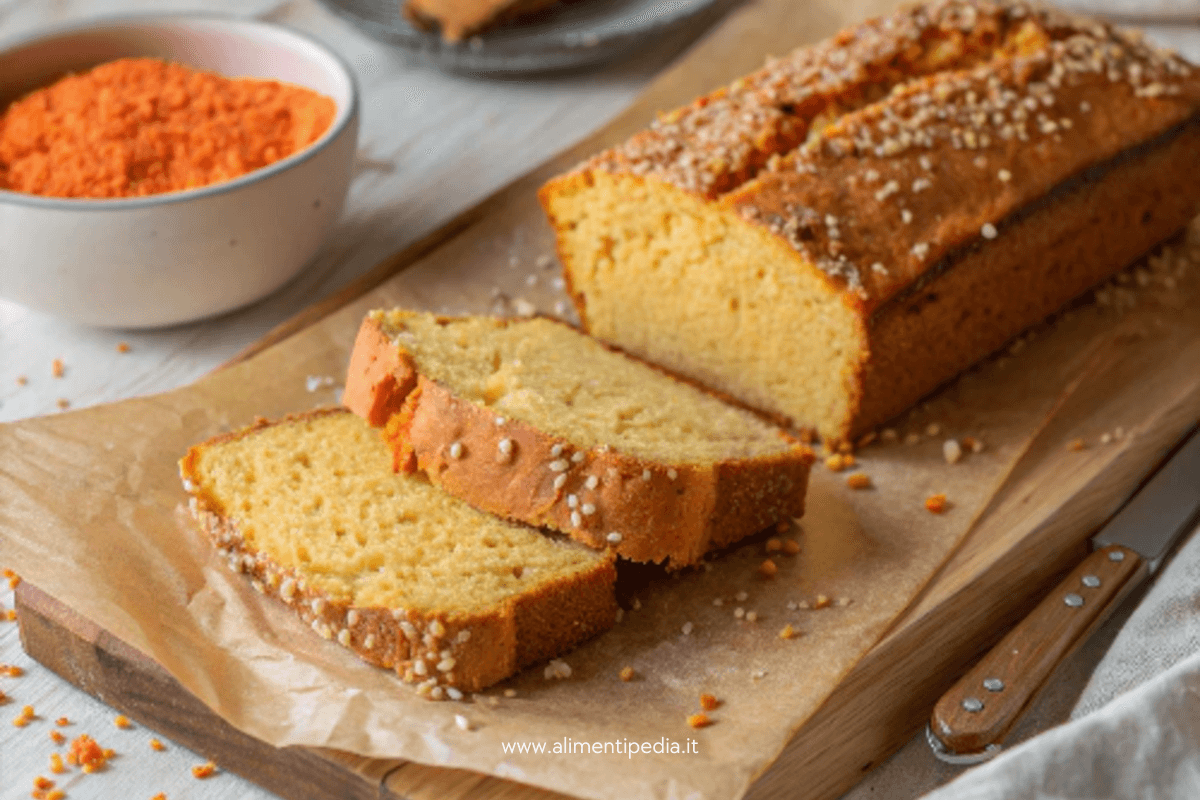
(889,189)
(577,457)
(613,538)
(505,446)
(988,231)
(560,481)
(1004,175)
(921,184)
(906,217)
(343,637)
(879,268)
(645,474)
(672,474)
(556,450)
(559,465)
(456,450)
(588,509)
(459,720)
(951,451)
(576,519)
(687,628)
(592,482)
(920,250)
(454,694)
(572,501)
(419,667)
(437,628)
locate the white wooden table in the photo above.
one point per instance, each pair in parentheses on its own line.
(431,144)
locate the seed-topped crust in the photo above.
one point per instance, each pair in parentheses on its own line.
(660,512)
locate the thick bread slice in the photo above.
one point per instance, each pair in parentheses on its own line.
(835,236)
(387,565)
(532,420)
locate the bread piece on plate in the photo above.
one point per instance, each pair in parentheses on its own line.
(459,19)
(834,236)
(388,565)
(532,420)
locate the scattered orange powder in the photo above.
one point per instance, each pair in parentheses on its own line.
(156,744)
(205,770)
(140,126)
(122,721)
(709,702)
(936,503)
(57,737)
(699,720)
(56,764)
(768,569)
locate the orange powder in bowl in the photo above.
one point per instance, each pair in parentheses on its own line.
(140,126)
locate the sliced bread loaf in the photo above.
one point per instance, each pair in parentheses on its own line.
(534,421)
(387,565)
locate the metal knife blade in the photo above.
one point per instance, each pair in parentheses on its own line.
(1162,510)
(973,717)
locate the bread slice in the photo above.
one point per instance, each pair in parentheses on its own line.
(534,421)
(833,237)
(387,565)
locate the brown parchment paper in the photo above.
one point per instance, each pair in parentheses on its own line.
(90,511)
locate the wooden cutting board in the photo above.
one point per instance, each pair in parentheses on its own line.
(1033,530)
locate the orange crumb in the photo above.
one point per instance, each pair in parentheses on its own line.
(3,697)
(56,764)
(13,578)
(62,722)
(87,754)
(56,368)
(835,463)
(768,569)
(858,480)
(12,671)
(1076,445)
(788,632)
(41,782)
(123,347)
(708,701)
(205,770)
(122,721)
(160,796)
(57,737)
(848,461)
(20,722)
(55,794)
(791,547)
(699,720)
(11,615)
(109,752)
(822,601)
(782,526)
(141,126)
(27,711)
(936,503)
(63,403)
(627,674)
(22,380)
(774,545)
(845,448)
(155,744)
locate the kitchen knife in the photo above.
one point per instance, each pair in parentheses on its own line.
(971,719)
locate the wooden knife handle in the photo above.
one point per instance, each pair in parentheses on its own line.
(982,707)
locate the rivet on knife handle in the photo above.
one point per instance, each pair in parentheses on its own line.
(981,708)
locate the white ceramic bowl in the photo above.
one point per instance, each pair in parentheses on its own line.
(180,256)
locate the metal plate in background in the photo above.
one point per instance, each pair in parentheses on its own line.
(572,34)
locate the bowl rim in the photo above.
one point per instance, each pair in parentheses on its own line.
(345,116)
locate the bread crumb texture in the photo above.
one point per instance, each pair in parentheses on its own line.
(571,386)
(386,563)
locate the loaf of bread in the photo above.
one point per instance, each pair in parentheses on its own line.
(532,420)
(831,238)
(459,19)
(387,565)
